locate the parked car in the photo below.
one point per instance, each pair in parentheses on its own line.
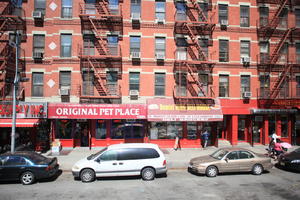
(230,160)
(26,167)
(290,160)
(130,159)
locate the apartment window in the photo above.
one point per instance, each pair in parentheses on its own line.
(283,18)
(66,8)
(181,52)
(283,53)
(223,86)
(160,81)
(134,81)
(223,51)
(244,19)
(160,47)
(264,52)
(40,5)
(88,44)
(204,46)
(66,45)
(90,7)
(180,11)
(37,84)
(263,16)
(223,13)
(87,83)
(297,13)
(181,83)
(298,86)
(245,49)
(298,53)
(38,46)
(135,8)
(204,8)
(245,84)
(284,88)
(135,44)
(65,79)
(203,79)
(113,6)
(160,10)
(112,82)
(112,43)
(264,85)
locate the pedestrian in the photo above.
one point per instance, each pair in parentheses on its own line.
(85,138)
(204,138)
(278,149)
(274,137)
(177,141)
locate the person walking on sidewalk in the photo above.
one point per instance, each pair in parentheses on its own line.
(177,142)
(204,138)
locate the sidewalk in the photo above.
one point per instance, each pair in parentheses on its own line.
(175,159)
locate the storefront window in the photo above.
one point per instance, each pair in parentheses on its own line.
(272,124)
(100,129)
(241,128)
(127,129)
(192,130)
(116,129)
(165,130)
(284,126)
(63,129)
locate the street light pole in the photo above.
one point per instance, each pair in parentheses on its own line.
(16,83)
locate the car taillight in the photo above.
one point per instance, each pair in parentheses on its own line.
(48,168)
(164,163)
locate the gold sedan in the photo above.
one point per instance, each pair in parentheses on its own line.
(230,160)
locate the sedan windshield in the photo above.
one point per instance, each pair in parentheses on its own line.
(219,154)
(96,154)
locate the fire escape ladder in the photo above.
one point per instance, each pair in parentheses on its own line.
(277,86)
(104,10)
(195,79)
(102,47)
(275,20)
(99,84)
(275,54)
(200,12)
(196,44)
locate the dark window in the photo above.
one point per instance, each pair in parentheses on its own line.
(298,86)
(109,155)
(160,9)
(37,84)
(136,8)
(88,83)
(66,8)
(180,11)
(64,129)
(181,83)
(203,79)
(298,53)
(245,49)
(223,86)
(223,51)
(245,84)
(134,81)
(137,153)
(204,8)
(100,129)
(112,43)
(14,160)
(40,5)
(112,82)
(264,85)
(160,46)
(297,13)
(65,78)
(204,46)
(245,155)
(66,45)
(263,16)
(135,44)
(88,44)
(160,84)
(244,19)
(38,46)
(233,155)
(223,13)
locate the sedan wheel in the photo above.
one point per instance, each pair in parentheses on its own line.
(211,171)
(87,175)
(27,178)
(257,169)
(148,174)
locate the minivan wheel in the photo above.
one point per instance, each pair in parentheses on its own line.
(87,175)
(27,178)
(211,171)
(257,169)
(148,174)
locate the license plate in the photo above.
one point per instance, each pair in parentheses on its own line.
(282,163)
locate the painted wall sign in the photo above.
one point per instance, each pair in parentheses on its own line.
(97,111)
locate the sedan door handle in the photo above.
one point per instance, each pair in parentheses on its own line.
(121,163)
(114,163)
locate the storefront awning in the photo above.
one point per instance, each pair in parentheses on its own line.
(167,110)
(273,111)
(19,122)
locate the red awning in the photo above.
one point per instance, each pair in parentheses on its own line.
(19,122)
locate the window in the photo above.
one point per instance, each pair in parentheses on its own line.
(165,130)
(65,79)
(14,160)
(109,155)
(135,44)
(223,13)
(40,5)
(87,82)
(245,84)
(298,86)
(298,53)
(88,45)
(100,129)
(160,47)
(264,85)
(204,46)
(283,18)
(66,45)
(112,43)
(245,49)
(38,46)
(233,155)
(204,8)
(134,81)
(203,78)
(283,53)
(112,82)
(66,8)
(181,52)
(264,52)
(160,84)
(284,88)
(223,86)
(223,51)
(90,7)
(284,126)
(113,6)
(181,83)
(37,84)
(297,13)
(244,18)
(180,11)
(245,155)
(160,10)
(263,16)
(136,9)
(138,153)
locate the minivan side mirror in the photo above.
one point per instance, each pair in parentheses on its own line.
(97,160)
(226,159)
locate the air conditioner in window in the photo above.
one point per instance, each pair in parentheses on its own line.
(64,91)
(247,94)
(224,22)
(134,94)
(160,56)
(135,55)
(246,60)
(37,14)
(38,55)
(160,21)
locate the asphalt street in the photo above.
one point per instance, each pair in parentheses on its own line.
(179,184)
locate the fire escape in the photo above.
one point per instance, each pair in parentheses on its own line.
(98,56)
(10,21)
(196,25)
(278,65)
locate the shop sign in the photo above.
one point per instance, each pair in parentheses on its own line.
(167,110)
(23,110)
(97,111)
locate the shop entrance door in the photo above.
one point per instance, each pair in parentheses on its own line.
(241,128)
(257,129)
(82,134)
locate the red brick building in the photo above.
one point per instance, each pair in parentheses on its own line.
(147,70)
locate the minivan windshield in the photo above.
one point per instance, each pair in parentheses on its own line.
(219,154)
(96,154)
